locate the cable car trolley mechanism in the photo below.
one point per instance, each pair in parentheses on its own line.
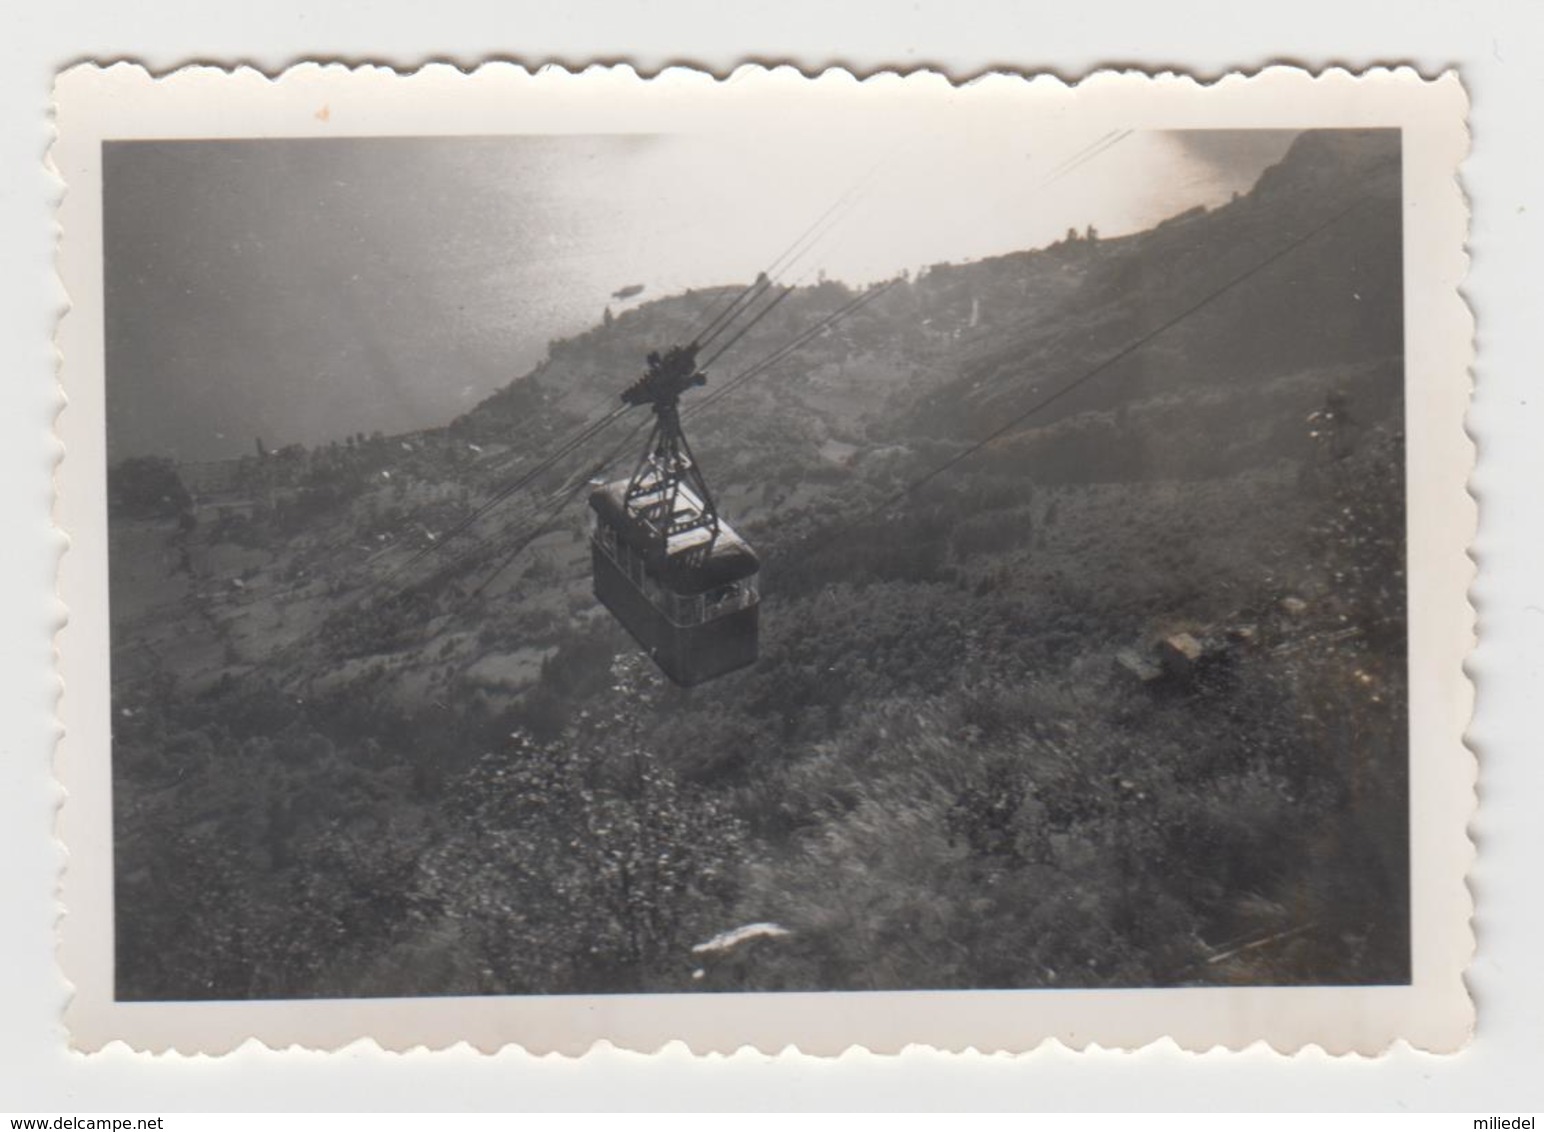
(674,573)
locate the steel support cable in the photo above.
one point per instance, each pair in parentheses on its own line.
(828,219)
(786,291)
(1083,157)
(783,293)
(559,502)
(524,480)
(333,548)
(369,590)
(830,320)
(463,558)
(790,255)
(744,297)
(755,370)
(801,246)
(328,552)
(742,302)
(908,490)
(583,437)
(810,238)
(1078,159)
(782,262)
(766,282)
(546,464)
(564,497)
(1120,355)
(852,306)
(1087,154)
(370,599)
(766,309)
(1077,153)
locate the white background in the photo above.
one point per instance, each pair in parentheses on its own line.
(1499,50)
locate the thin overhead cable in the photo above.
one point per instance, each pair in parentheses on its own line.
(576,441)
(827,222)
(743,298)
(1121,354)
(718,319)
(836,316)
(766,309)
(560,500)
(766,281)
(1077,153)
(1083,157)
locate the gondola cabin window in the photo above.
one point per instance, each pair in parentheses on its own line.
(695,612)
(671,570)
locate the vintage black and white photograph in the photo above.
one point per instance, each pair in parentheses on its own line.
(781,560)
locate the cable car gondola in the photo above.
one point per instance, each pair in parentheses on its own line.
(674,573)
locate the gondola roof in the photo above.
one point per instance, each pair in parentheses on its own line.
(687,568)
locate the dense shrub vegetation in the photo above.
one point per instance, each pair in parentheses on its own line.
(940,773)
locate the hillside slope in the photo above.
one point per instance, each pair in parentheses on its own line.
(967,755)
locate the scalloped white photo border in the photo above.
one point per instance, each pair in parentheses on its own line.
(1433,1013)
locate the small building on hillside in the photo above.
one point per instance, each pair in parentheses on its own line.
(1138,665)
(1181,653)
(1175,659)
